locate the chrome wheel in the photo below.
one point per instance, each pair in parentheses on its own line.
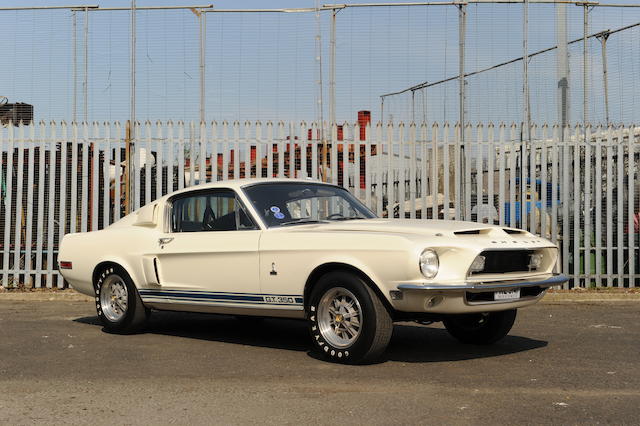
(339,317)
(113,298)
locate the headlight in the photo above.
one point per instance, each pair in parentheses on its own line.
(535,261)
(429,263)
(478,264)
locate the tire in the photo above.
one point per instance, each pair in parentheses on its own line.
(119,306)
(360,333)
(481,329)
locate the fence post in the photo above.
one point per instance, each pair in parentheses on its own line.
(630,208)
(8,196)
(127,167)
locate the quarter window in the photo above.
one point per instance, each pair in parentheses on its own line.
(209,211)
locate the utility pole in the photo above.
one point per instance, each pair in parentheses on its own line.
(86,65)
(525,70)
(462,26)
(585,91)
(526,134)
(202,23)
(603,36)
(75,66)
(332,70)
(424,105)
(131,124)
(132,78)
(413,106)
(319,100)
(562,58)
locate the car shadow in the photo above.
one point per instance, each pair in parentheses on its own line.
(410,342)
(417,343)
(284,334)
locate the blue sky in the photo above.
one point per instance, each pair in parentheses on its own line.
(263,67)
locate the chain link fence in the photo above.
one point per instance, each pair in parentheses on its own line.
(194,63)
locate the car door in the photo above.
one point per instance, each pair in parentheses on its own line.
(211,246)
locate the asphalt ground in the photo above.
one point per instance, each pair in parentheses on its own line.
(564,362)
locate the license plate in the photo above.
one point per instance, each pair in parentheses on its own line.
(506,295)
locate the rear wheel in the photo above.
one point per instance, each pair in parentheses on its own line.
(347,320)
(118,303)
(481,329)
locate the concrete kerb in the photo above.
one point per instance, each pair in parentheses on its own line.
(592,296)
(44,295)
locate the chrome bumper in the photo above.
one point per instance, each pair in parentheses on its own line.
(490,286)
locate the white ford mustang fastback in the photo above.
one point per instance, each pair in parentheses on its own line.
(309,250)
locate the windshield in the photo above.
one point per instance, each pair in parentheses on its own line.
(283,204)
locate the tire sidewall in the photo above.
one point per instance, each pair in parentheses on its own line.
(360,347)
(125,322)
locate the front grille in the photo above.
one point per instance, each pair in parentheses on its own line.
(502,261)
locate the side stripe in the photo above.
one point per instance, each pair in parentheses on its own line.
(204,296)
(215,292)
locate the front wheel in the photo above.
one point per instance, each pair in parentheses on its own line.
(347,321)
(481,329)
(118,303)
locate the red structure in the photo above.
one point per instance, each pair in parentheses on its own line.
(364,119)
(364,122)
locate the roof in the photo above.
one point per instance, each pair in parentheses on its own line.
(240,183)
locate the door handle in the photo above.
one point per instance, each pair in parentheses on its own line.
(166,240)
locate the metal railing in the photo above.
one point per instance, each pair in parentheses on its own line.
(578,187)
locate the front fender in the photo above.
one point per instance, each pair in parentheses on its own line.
(349,263)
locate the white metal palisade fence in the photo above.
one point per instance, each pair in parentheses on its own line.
(580,187)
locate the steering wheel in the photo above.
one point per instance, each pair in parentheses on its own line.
(335,216)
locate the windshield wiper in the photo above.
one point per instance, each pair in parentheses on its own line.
(302,222)
(349,218)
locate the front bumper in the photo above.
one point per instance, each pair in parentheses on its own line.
(555,279)
(470,297)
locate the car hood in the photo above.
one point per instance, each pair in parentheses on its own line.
(413,226)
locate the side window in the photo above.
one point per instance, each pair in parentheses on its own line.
(209,211)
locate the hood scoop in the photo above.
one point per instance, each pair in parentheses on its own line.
(513,231)
(473,232)
(487,231)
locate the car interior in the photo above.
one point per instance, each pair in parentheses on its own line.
(219,211)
